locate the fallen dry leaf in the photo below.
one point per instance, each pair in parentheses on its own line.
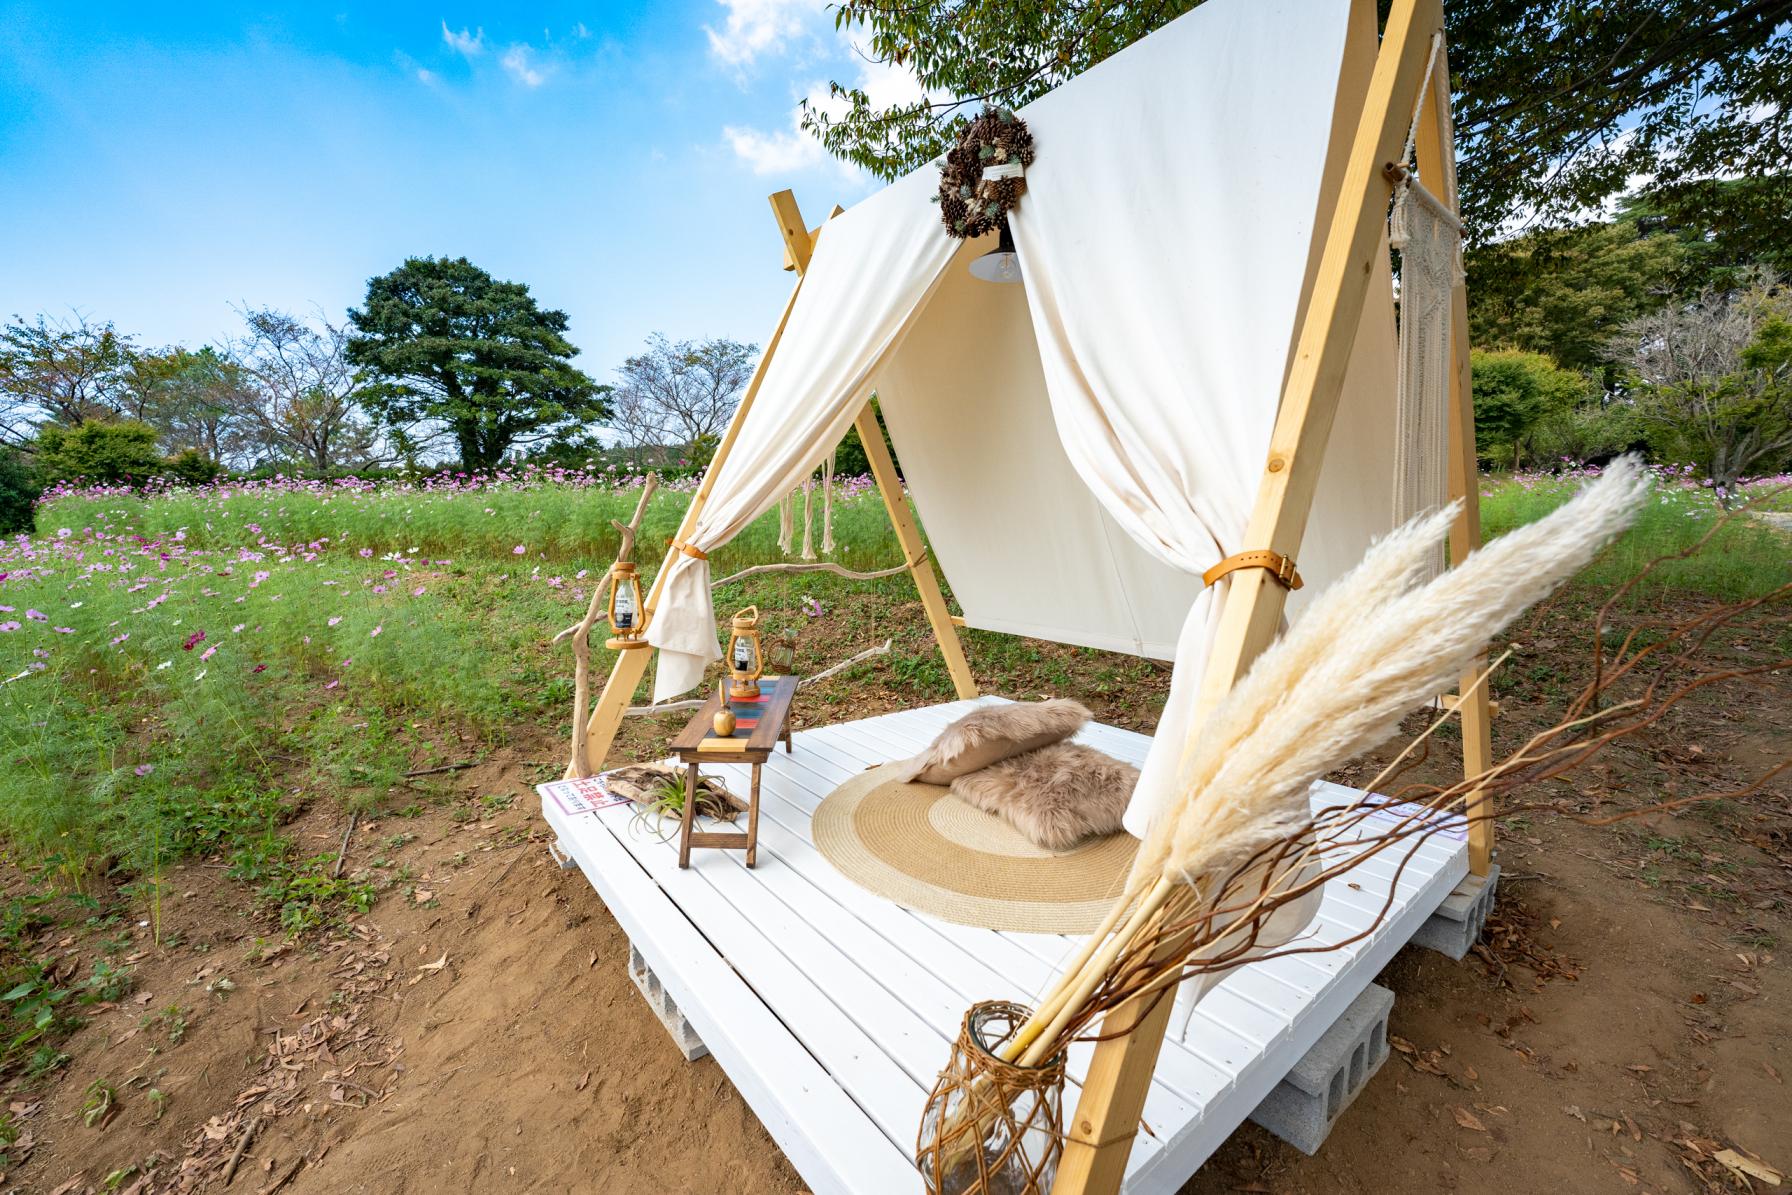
(1468,1120)
(437,965)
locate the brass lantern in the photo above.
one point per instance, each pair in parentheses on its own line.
(745,663)
(625,607)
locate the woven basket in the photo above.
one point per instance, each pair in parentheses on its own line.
(990,1127)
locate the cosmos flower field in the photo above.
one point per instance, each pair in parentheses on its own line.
(181,670)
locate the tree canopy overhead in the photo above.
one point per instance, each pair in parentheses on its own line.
(1559,104)
(450,344)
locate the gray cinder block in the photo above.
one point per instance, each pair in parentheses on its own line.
(1458,922)
(1304,1106)
(664,1007)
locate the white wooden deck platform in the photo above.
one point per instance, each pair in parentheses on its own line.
(832,1010)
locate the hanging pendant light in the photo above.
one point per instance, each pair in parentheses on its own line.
(1001,264)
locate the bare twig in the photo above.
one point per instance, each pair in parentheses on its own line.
(666,707)
(447,767)
(882,649)
(242,1144)
(342,851)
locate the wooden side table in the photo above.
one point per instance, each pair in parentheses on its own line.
(764,722)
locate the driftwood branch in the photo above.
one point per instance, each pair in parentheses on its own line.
(825,566)
(666,707)
(581,634)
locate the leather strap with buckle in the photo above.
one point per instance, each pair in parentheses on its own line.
(692,550)
(1280,567)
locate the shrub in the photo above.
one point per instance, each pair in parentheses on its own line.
(98,451)
(1516,395)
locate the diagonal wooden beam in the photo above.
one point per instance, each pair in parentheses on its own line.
(1101,1133)
(630,666)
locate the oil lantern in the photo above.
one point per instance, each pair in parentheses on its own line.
(625,607)
(745,664)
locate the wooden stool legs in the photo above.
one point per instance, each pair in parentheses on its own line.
(688,836)
(753,819)
(689,817)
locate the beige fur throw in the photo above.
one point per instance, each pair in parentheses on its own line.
(1057,796)
(992,734)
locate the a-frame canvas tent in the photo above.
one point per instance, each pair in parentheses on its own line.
(1201,346)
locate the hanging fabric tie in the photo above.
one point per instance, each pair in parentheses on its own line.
(1428,237)
(786,524)
(809,517)
(827,504)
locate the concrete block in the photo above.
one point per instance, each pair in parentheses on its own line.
(1458,922)
(1304,1106)
(664,1007)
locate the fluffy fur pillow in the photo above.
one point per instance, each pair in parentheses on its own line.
(992,734)
(1057,796)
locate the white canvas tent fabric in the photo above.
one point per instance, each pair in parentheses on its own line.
(1082,447)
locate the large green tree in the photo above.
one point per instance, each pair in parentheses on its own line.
(1559,103)
(449,344)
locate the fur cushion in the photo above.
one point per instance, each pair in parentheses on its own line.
(1056,796)
(992,734)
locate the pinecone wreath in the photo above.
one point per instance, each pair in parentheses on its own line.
(981,178)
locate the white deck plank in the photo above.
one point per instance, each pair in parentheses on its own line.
(820,1128)
(868,995)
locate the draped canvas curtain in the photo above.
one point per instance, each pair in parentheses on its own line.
(871,273)
(1164,240)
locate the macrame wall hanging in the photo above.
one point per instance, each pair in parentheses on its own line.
(787,514)
(1428,237)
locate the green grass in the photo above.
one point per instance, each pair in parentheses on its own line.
(1745,558)
(351,635)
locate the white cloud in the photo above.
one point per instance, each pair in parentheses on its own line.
(784,151)
(756,27)
(468,44)
(425,75)
(518,61)
(773,153)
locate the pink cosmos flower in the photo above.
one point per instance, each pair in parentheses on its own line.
(193,640)
(518,550)
(333,620)
(366,552)
(417,592)
(144,769)
(63,630)
(376,630)
(258,668)
(37,616)
(209,652)
(379,589)
(10,625)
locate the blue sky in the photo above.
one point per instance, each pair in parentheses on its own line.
(160,163)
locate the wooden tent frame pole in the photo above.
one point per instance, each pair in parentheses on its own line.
(799,244)
(1101,1133)
(1434,150)
(630,666)
(914,548)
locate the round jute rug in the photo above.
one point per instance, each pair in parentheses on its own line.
(925,849)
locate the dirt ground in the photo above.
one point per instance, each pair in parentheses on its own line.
(1626,1020)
